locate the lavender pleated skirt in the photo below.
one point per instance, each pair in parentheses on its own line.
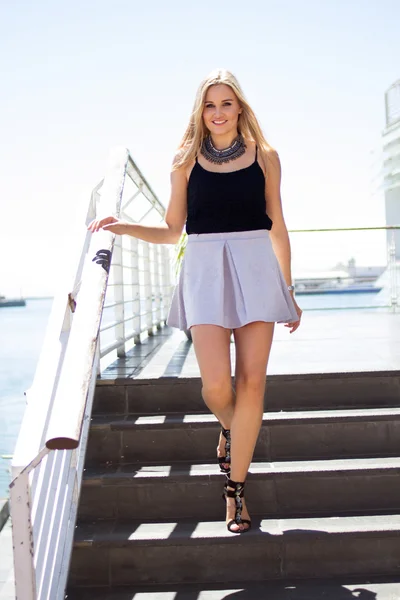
(230,279)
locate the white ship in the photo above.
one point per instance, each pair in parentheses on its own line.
(6,302)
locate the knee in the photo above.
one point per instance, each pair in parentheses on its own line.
(217,389)
(252,382)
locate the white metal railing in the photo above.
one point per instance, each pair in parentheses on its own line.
(118,274)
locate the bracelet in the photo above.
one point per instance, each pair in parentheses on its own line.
(290,288)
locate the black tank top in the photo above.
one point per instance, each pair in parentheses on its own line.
(230,201)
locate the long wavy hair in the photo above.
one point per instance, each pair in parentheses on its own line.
(196,131)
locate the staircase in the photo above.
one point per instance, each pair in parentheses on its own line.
(323,490)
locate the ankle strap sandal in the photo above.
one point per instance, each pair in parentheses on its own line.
(237,493)
(227,458)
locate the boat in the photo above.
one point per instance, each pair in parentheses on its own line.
(6,302)
(335,282)
(361,289)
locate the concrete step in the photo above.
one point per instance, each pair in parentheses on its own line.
(284,392)
(328,589)
(184,490)
(284,435)
(118,553)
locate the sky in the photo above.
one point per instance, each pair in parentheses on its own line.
(80,77)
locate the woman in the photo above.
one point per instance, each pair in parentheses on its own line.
(236,272)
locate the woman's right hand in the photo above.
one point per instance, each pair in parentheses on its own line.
(295,324)
(108,224)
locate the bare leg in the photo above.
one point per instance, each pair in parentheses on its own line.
(253,345)
(212,348)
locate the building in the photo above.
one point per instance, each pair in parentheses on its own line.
(391,162)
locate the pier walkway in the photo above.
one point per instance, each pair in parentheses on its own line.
(337,341)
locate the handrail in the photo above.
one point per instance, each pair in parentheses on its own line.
(381,227)
(48,461)
(68,409)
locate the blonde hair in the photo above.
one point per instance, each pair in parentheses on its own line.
(196,131)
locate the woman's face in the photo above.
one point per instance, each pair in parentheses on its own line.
(221,109)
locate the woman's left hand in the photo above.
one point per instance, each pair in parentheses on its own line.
(295,324)
(110,223)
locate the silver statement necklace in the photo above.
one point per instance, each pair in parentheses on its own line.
(211,153)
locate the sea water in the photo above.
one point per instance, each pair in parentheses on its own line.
(22,332)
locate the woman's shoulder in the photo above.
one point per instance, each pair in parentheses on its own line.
(266,150)
(182,155)
(268,156)
(182,162)
(179,155)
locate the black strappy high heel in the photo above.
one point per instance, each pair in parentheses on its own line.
(236,493)
(227,458)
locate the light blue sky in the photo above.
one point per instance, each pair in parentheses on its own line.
(81,76)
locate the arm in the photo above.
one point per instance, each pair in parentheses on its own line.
(167,232)
(279,233)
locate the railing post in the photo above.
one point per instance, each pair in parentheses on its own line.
(97,357)
(119,309)
(157,284)
(166,278)
(137,321)
(23,542)
(393,272)
(148,292)
(23,546)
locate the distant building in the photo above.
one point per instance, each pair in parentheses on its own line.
(391,161)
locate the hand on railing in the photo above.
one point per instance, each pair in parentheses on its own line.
(109,224)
